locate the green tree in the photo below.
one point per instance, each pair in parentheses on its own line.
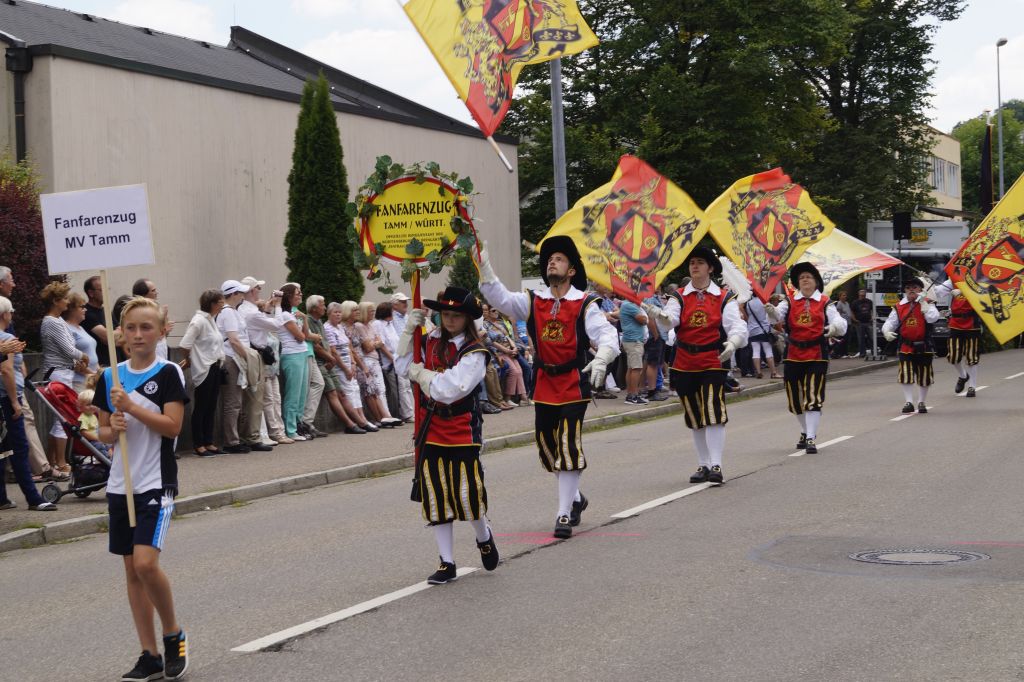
(971,135)
(318,246)
(463,273)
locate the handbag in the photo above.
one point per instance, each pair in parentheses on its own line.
(266,354)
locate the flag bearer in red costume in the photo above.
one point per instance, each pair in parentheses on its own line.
(911,321)
(964,340)
(709,330)
(563,321)
(809,321)
(449,436)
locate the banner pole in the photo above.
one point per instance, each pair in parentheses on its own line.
(501,154)
(116,381)
(558,140)
(417,356)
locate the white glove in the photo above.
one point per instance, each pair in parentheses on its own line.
(772,312)
(731,345)
(598,367)
(889,336)
(483,264)
(926,306)
(422,376)
(413,320)
(833,331)
(654,312)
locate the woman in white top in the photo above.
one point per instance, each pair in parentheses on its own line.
(344,365)
(61,359)
(294,368)
(203,348)
(73,316)
(373,384)
(759,336)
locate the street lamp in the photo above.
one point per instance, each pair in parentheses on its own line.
(999,95)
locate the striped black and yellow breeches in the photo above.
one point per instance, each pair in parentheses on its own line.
(703,397)
(559,433)
(452,484)
(964,345)
(805,385)
(916,368)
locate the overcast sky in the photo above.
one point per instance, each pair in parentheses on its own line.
(373,40)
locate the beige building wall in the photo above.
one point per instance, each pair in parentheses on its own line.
(7,113)
(216,164)
(944,172)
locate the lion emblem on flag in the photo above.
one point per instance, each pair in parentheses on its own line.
(993,266)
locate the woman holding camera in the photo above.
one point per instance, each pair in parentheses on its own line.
(203,348)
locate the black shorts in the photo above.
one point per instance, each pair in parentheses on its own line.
(152,518)
(654,351)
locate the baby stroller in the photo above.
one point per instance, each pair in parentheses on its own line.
(90,467)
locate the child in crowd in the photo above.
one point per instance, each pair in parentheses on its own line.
(148,408)
(89,421)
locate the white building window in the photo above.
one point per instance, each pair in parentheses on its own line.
(944,177)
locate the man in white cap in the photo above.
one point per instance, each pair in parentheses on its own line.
(261,320)
(399,307)
(242,394)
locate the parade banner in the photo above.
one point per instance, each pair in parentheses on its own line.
(989,267)
(483,45)
(840,257)
(633,231)
(764,223)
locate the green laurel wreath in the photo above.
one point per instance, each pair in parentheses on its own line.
(386,170)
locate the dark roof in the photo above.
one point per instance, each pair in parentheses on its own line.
(250,63)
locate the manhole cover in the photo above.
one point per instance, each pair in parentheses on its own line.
(917,556)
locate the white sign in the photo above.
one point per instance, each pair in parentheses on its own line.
(873,274)
(96,229)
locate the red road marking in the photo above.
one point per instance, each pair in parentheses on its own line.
(545,538)
(993,544)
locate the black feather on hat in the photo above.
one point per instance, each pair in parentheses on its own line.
(458,299)
(564,245)
(708,256)
(801,268)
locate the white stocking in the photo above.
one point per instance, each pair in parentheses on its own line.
(444,535)
(972,376)
(568,488)
(908,392)
(716,443)
(960,369)
(802,418)
(700,442)
(924,393)
(813,419)
(482,529)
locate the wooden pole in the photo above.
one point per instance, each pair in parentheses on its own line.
(501,154)
(116,381)
(417,356)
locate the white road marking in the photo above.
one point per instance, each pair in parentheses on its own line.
(1014,376)
(908,416)
(801,453)
(293,632)
(964,394)
(661,500)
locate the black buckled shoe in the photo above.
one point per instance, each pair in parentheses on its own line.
(922,408)
(715,475)
(445,573)
(908,408)
(700,475)
(971,392)
(960,383)
(577,510)
(810,446)
(488,552)
(802,443)
(562,528)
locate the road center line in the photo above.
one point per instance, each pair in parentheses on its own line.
(908,416)
(801,453)
(293,632)
(1014,376)
(661,500)
(964,394)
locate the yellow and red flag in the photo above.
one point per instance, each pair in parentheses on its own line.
(764,223)
(989,267)
(633,231)
(840,257)
(482,45)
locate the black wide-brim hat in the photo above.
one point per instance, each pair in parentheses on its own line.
(914,281)
(459,300)
(564,245)
(708,256)
(801,268)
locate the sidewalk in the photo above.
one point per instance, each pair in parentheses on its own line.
(227,479)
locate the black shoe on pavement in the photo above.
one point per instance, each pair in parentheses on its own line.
(445,573)
(657,396)
(576,513)
(302,429)
(259,447)
(487,408)
(562,528)
(715,475)
(922,408)
(605,395)
(700,476)
(370,428)
(811,446)
(149,667)
(970,392)
(802,443)
(960,383)
(354,429)
(236,449)
(488,552)
(175,656)
(312,431)
(908,408)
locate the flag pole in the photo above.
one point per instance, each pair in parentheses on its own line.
(108,318)
(501,155)
(558,139)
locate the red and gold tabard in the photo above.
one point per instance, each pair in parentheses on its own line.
(962,316)
(560,338)
(912,324)
(700,325)
(456,430)
(805,324)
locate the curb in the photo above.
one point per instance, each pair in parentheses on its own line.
(69,529)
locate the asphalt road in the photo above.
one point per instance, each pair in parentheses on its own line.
(748,581)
